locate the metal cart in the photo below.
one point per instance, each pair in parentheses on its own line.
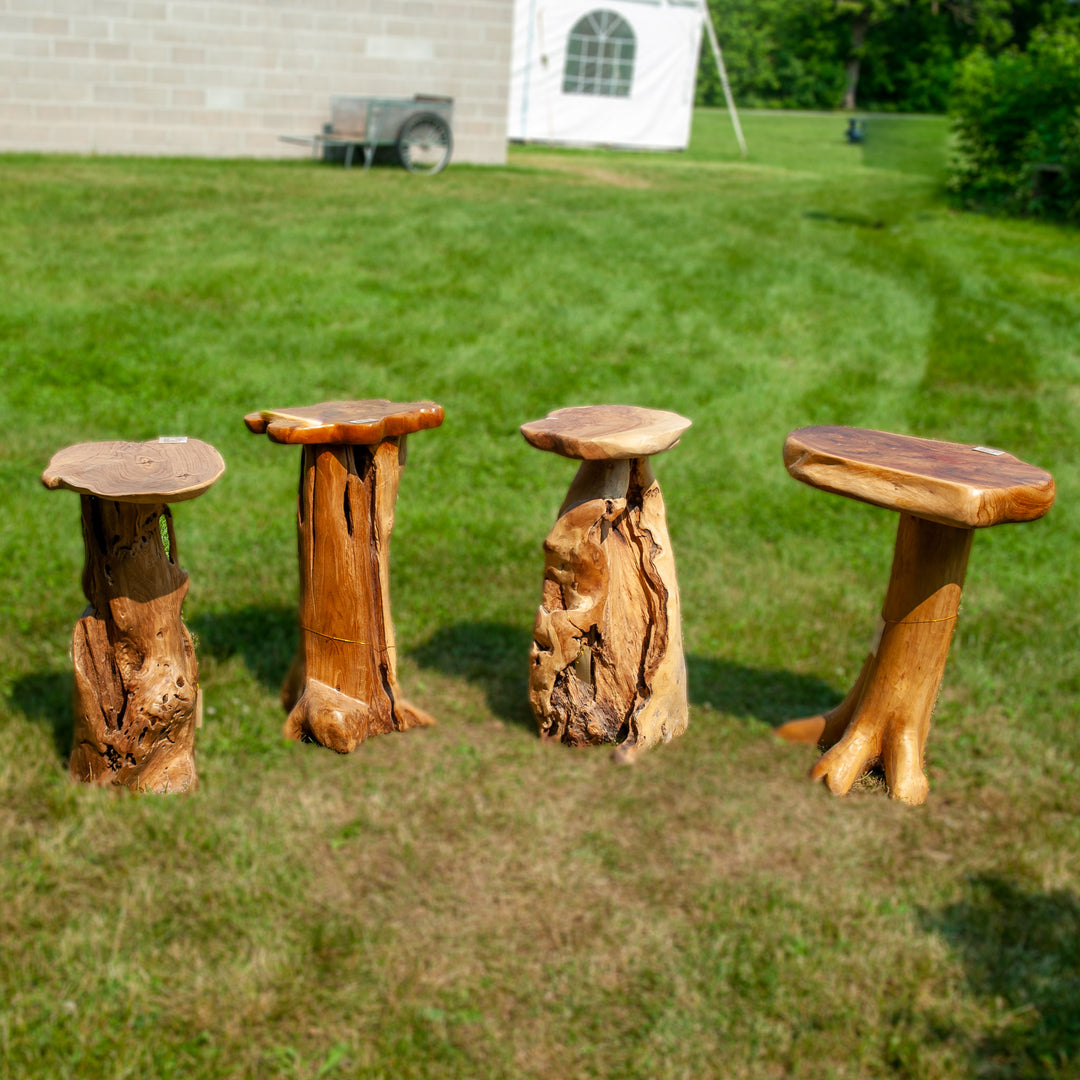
(418,127)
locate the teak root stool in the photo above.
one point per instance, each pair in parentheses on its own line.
(942,491)
(137,700)
(607,660)
(343,684)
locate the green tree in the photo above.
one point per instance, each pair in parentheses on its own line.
(910,61)
(779,53)
(881,54)
(985,21)
(1027,16)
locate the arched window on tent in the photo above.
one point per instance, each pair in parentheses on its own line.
(600,56)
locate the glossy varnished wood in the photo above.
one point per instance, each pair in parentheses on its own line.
(967,486)
(345,423)
(137,701)
(886,717)
(342,687)
(605,432)
(607,663)
(943,491)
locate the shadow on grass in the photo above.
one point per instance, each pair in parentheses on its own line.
(766,694)
(265,638)
(1021,951)
(495,656)
(45,697)
(859,220)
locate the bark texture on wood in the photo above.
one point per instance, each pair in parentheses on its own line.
(137,699)
(859,27)
(607,662)
(886,717)
(343,686)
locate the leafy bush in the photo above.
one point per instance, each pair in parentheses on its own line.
(1016,121)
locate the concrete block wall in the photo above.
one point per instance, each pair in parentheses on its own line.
(225,78)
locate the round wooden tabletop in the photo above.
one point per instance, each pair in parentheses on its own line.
(600,432)
(951,483)
(345,422)
(160,471)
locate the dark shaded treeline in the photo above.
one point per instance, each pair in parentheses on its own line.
(899,55)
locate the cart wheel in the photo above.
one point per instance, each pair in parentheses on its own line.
(424,143)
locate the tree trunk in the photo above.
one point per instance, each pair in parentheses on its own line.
(607,662)
(137,701)
(346,674)
(859,28)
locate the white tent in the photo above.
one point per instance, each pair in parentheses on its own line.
(605,72)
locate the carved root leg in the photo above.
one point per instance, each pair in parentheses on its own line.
(886,716)
(343,686)
(136,680)
(607,662)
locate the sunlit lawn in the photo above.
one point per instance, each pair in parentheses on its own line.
(462,901)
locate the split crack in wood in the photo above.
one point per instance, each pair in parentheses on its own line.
(137,698)
(607,664)
(342,686)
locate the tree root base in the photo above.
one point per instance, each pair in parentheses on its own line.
(332,719)
(885,719)
(606,665)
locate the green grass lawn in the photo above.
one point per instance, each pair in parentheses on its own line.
(463,902)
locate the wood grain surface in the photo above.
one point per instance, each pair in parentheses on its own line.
(950,483)
(342,423)
(147,472)
(343,687)
(599,432)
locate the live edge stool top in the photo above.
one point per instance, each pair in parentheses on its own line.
(167,470)
(345,423)
(606,432)
(969,487)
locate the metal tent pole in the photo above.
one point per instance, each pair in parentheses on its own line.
(719,58)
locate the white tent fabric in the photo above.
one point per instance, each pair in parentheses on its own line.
(604,72)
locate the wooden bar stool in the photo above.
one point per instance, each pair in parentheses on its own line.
(137,699)
(942,491)
(607,660)
(343,684)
